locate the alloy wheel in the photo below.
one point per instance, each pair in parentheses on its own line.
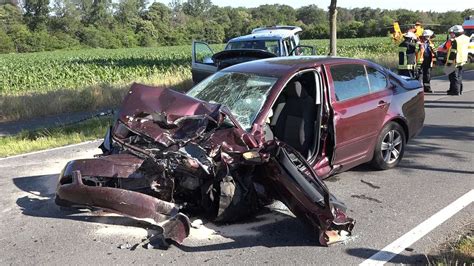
(391,146)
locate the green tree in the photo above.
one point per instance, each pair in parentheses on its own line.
(67,17)
(196,8)
(6,43)
(98,12)
(311,14)
(36,13)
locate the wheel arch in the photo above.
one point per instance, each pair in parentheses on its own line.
(403,124)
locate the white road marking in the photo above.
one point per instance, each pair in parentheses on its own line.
(390,251)
(52,149)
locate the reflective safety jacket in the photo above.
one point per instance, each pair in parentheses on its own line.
(420,54)
(458,52)
(406,55)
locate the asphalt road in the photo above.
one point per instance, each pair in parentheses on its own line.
(437,169)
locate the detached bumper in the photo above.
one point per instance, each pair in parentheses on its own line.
(175,225)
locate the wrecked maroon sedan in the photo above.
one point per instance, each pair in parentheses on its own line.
(244,136)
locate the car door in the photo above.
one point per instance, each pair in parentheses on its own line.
(358,111)
(202,65)
(294,182)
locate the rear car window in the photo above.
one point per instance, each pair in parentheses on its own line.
(377,79)
(271,46)
(350,81)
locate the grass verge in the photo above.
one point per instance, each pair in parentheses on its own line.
(90,98)
(28,141)
(459,252)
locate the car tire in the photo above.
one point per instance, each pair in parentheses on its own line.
(389,147)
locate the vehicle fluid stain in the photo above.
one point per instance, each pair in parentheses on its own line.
(369,184)
(363,196)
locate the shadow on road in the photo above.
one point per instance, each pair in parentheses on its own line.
(365,253)
(270,228)
(424,145)
(449,106)
(448,102)
(40,203)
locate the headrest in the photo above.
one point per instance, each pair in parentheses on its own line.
(294,90)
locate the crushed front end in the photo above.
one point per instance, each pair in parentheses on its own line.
(169,154)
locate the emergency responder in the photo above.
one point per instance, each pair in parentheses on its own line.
(407,56)
(457,57)
(425,57)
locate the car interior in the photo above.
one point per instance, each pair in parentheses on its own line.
(296,115)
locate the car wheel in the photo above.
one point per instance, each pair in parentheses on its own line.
(389,147)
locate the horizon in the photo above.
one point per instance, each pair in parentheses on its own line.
(433,5)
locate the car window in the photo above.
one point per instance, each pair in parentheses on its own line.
(287,46)
(377,79)
(266,45)
(293,42)
(243,93)
(350,81)
(202,53)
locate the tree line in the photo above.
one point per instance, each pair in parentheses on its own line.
(45,25)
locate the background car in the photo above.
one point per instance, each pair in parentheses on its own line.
(265,42)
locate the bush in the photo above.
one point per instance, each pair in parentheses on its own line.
(6,43)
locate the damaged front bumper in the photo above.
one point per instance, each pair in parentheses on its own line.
(166,215)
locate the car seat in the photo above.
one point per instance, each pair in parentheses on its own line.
(294,118)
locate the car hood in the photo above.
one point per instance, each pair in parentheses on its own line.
(169,117)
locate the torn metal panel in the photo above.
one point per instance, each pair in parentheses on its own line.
(298,187)
(116,165)
(126,202)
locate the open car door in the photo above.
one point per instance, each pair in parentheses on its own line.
(202,64)
(295,184)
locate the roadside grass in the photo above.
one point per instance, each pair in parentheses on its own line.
(90,98)
(460,252)
(28,141)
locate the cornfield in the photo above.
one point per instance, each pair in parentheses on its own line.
(42,72)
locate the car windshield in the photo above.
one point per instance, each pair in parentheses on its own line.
(243,93)
(271,46)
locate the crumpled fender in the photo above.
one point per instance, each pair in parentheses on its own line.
(175,225)
(116,165)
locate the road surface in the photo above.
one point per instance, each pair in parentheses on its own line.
(437,169)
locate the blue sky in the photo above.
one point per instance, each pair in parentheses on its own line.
(426,5)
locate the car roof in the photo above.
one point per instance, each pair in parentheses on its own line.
(281,66)
(266,34)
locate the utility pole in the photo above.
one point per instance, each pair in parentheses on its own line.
(332,28)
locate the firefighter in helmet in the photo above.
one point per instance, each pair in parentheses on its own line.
(425,57)
(457,57)
(406,55)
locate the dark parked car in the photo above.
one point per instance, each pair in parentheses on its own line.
(257,131)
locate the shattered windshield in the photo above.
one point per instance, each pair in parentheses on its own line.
(271,46)
(243,93)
